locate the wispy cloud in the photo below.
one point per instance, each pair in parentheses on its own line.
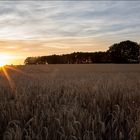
(62,26)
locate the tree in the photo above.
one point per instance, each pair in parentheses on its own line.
(124,52)
(99,57)
(30,61)
(42,60)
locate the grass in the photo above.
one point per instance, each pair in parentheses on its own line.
(71,102)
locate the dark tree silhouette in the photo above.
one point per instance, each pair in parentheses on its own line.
(31,60)
(123,52)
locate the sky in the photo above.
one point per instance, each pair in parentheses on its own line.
(31,28)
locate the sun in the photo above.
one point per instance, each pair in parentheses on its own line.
(4,59)
(2,64)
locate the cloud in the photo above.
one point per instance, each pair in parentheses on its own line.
(35,20)
(66,26)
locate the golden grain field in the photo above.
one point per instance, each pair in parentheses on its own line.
(70,102)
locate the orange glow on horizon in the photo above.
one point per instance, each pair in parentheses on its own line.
(4,59)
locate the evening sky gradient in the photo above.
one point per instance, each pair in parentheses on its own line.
(31,28)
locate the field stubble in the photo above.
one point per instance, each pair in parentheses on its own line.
(71,102)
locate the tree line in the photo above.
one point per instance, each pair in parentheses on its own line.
(123,52)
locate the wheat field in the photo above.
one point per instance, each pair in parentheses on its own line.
(70,102)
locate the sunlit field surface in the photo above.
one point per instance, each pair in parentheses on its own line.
(70,102)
